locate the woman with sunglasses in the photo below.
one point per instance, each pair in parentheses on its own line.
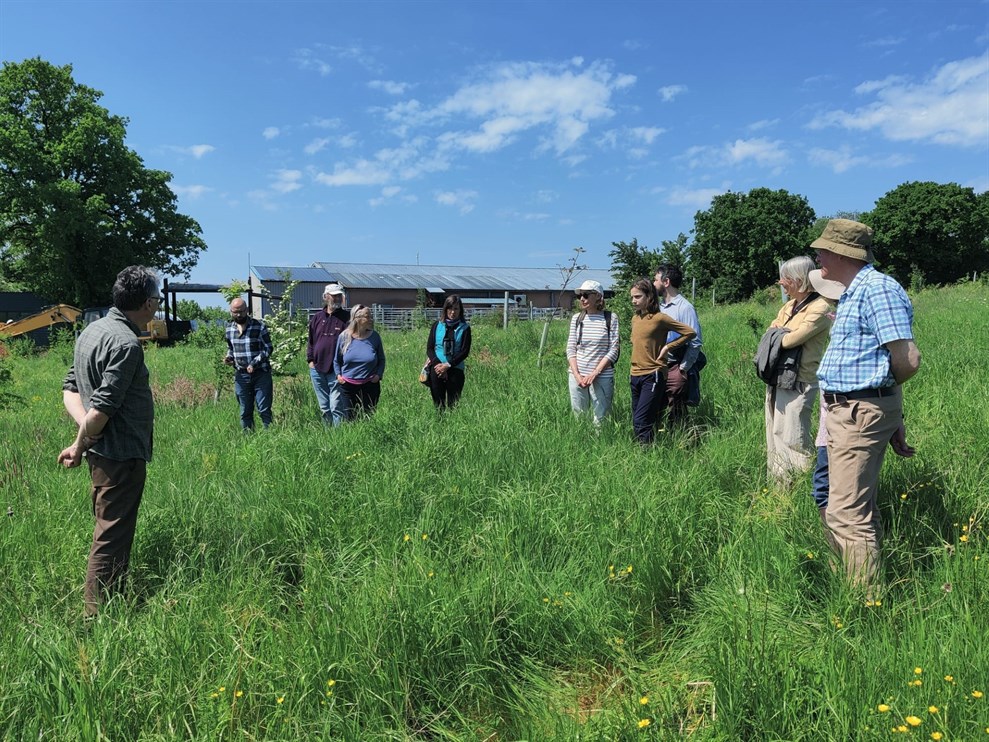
(359,363)
(447,347)
(649,353)
(592,351)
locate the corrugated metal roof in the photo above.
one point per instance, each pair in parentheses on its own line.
(274,273)
(456,278)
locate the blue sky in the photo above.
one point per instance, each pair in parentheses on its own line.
(508,133)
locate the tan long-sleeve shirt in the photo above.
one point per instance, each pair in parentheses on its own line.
(649,333)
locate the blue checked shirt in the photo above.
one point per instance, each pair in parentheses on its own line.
(252,348)
(873,311)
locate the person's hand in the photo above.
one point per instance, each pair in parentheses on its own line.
(70,457)
(250,369)
(375,378)
(587,380)
(312,364)
(899,443)
(339,379)
(228,360)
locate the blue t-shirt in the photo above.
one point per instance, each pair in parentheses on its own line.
(360,359)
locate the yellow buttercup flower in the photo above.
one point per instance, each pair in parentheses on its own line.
(406,538)
(933,709)
(425,537)
(882,708)
(913,721)
(936,735)
(963,539)
(949,678)
(331,682)
(976,694)
(222,689)
(643,723)
(239,693)
(644,700)
(280,699)
(918,670)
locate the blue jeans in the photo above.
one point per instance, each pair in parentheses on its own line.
(253,389)
(328,396)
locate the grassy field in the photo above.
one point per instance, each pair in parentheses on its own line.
(500,573)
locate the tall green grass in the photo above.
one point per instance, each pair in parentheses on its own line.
(500,572)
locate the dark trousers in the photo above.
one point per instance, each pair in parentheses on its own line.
(360,399)
(821,479)
(253,389)
(117,490)
(446,389)
(675,399)
(648,393)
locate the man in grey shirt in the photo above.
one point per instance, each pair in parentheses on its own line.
(107,393)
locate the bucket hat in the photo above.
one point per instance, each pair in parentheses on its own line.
(846,237)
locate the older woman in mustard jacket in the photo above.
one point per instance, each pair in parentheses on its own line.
(789,446)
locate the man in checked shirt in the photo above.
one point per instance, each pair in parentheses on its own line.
(249,352)
(871,354)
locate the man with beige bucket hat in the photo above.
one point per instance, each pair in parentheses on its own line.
(872,352)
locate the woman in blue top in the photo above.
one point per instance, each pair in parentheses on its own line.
(359,363)
(447,347)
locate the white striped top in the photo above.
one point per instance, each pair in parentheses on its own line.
(595,343)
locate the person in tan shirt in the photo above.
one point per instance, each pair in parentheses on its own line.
(789,447)
(649,353)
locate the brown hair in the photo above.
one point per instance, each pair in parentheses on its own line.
(645,286)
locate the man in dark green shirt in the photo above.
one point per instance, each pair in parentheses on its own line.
(107,393)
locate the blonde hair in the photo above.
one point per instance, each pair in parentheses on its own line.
(365,315)
(798,269)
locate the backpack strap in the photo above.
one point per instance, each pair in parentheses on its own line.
(580,325)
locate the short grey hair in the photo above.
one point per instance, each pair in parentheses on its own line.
(135,284)
(798,269)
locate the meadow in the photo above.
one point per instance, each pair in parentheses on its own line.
(502,572)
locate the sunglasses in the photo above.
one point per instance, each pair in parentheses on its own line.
(585,294)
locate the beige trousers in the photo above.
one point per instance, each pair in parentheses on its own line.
(789,446)
(860,431)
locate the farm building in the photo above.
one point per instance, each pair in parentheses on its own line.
(399,286)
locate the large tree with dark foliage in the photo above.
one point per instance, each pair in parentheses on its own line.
(930,232)
(76,205)
(631,261)
(740,239)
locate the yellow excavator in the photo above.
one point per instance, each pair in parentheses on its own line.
(156,331)
(46,318)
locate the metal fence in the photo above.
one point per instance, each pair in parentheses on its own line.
(410,319)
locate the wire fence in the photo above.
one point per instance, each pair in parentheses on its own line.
(411,319)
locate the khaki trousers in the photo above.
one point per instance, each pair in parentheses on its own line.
(789,447)
(860,431)
(117,490)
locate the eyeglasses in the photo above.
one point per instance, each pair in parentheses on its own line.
(585,294)
(158,298)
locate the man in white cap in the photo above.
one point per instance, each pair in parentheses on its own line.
(872,352)
(592,350)
(324,329)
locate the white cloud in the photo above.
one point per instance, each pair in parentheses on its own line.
(843,159)
(389,86)
(633,45)
(546,196)
(306,60)
(524,216)
(347,141)
(694,198)
(885,41)
(762,124)
(196,150)
(191,192)
(362,172)
(668,93)
(287,181)
(319,123)
(461,200)
(316,145)
(646,133)
(560,100)
(762,152)
(271,132)
(950,106)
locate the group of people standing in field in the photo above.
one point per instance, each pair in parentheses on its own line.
(666,353)
(858,377)
(346,359)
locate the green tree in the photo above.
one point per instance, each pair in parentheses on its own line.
(631,261)
(930,232)
(76,205)
(675,252)
(740,239)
